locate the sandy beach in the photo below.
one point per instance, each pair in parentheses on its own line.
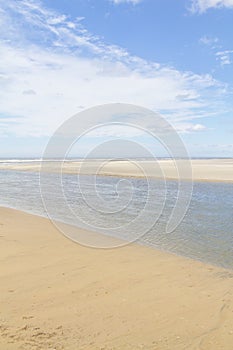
(56,294)
(216,170)
(116,175)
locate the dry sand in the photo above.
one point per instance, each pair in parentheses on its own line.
(56,294)
(202,169)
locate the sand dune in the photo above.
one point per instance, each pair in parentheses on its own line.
(56,294)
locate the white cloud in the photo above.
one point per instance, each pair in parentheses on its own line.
(209,41)
(203,5)
(190,128)
(224,57)
(45,82)
(57,19)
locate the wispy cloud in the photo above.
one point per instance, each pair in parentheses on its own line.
(225,57)
(51,65)
(190,127)
(202,6)
(210,41)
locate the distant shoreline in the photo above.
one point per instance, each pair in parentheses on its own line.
(203,170)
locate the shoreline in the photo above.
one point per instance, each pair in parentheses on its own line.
(57,294)
(224,181)
(210,170)
(122,243)
(113,239)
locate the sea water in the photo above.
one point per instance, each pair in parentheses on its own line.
(205,233)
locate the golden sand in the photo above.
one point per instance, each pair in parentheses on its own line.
(56,294)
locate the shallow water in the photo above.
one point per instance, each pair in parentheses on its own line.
(206,232)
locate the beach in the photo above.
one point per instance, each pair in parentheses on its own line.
(215,170)
(116,175)
(56,294)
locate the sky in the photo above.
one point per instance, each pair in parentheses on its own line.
(58,58)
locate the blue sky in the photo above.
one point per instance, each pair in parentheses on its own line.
(61,57)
